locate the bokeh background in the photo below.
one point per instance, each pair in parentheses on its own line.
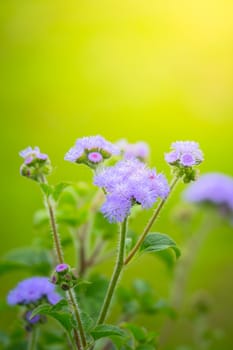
(148,70)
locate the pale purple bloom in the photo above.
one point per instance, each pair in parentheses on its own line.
(138,150)
(34,319)
(62,267)
(29,154)
(214,188)
(32,290)
(185,153)
(127,183)
(87,146)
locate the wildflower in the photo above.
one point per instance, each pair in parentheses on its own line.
(127,183)
(62,268)
(30,293)
(36,164)
(91,151)
(139,150)
(183,157)
(33,291)
(214,188)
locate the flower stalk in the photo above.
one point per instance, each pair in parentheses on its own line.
(32,339)
(60,259)
(116,274)
(150,223)
(72,299)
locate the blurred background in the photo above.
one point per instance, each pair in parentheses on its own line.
(142,70)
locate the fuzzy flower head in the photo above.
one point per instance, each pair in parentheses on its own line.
(139,150)
(33,290)
(64,276)
(183,157)
(91,151)
(213,188)
(36,164)
(127,183)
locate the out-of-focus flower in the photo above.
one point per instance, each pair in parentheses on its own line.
(91,151)
(36,164)
(29,154)
(215,188)
(139,150)
(31,320)
(127,183)
(183,157)
(32,291)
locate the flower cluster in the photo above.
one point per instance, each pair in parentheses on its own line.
(91,151)
(36,164)
(32,291)
(139,150)
(64,276)
(215,188)
(127,183)
(185,155)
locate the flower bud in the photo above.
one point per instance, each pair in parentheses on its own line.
(91,151)
(64,276)
(183,157)
(36,164)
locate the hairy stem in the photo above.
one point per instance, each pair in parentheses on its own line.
(60,259)
(116,274)
(75,308)
(150,223)
(56,238)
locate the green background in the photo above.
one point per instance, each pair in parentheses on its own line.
(158,71)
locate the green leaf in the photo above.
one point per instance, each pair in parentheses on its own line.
(62,304)
(41,309)
(58,189)
(46,189)
(87,321)
(36,259)
(138,332)
(63,317)
(107,331)
(8,266)
(155,242)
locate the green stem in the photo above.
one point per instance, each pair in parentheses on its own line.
(75,308)
(32,339)
(116,274)
(56,238)
(60,259)
(150,223)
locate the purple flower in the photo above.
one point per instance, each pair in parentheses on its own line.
(34,319)
(36,165)
(62,268)
(33,290)
(138,150)
(29,154)
(184,153)
(127,183)
(214,188)
(91,150)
